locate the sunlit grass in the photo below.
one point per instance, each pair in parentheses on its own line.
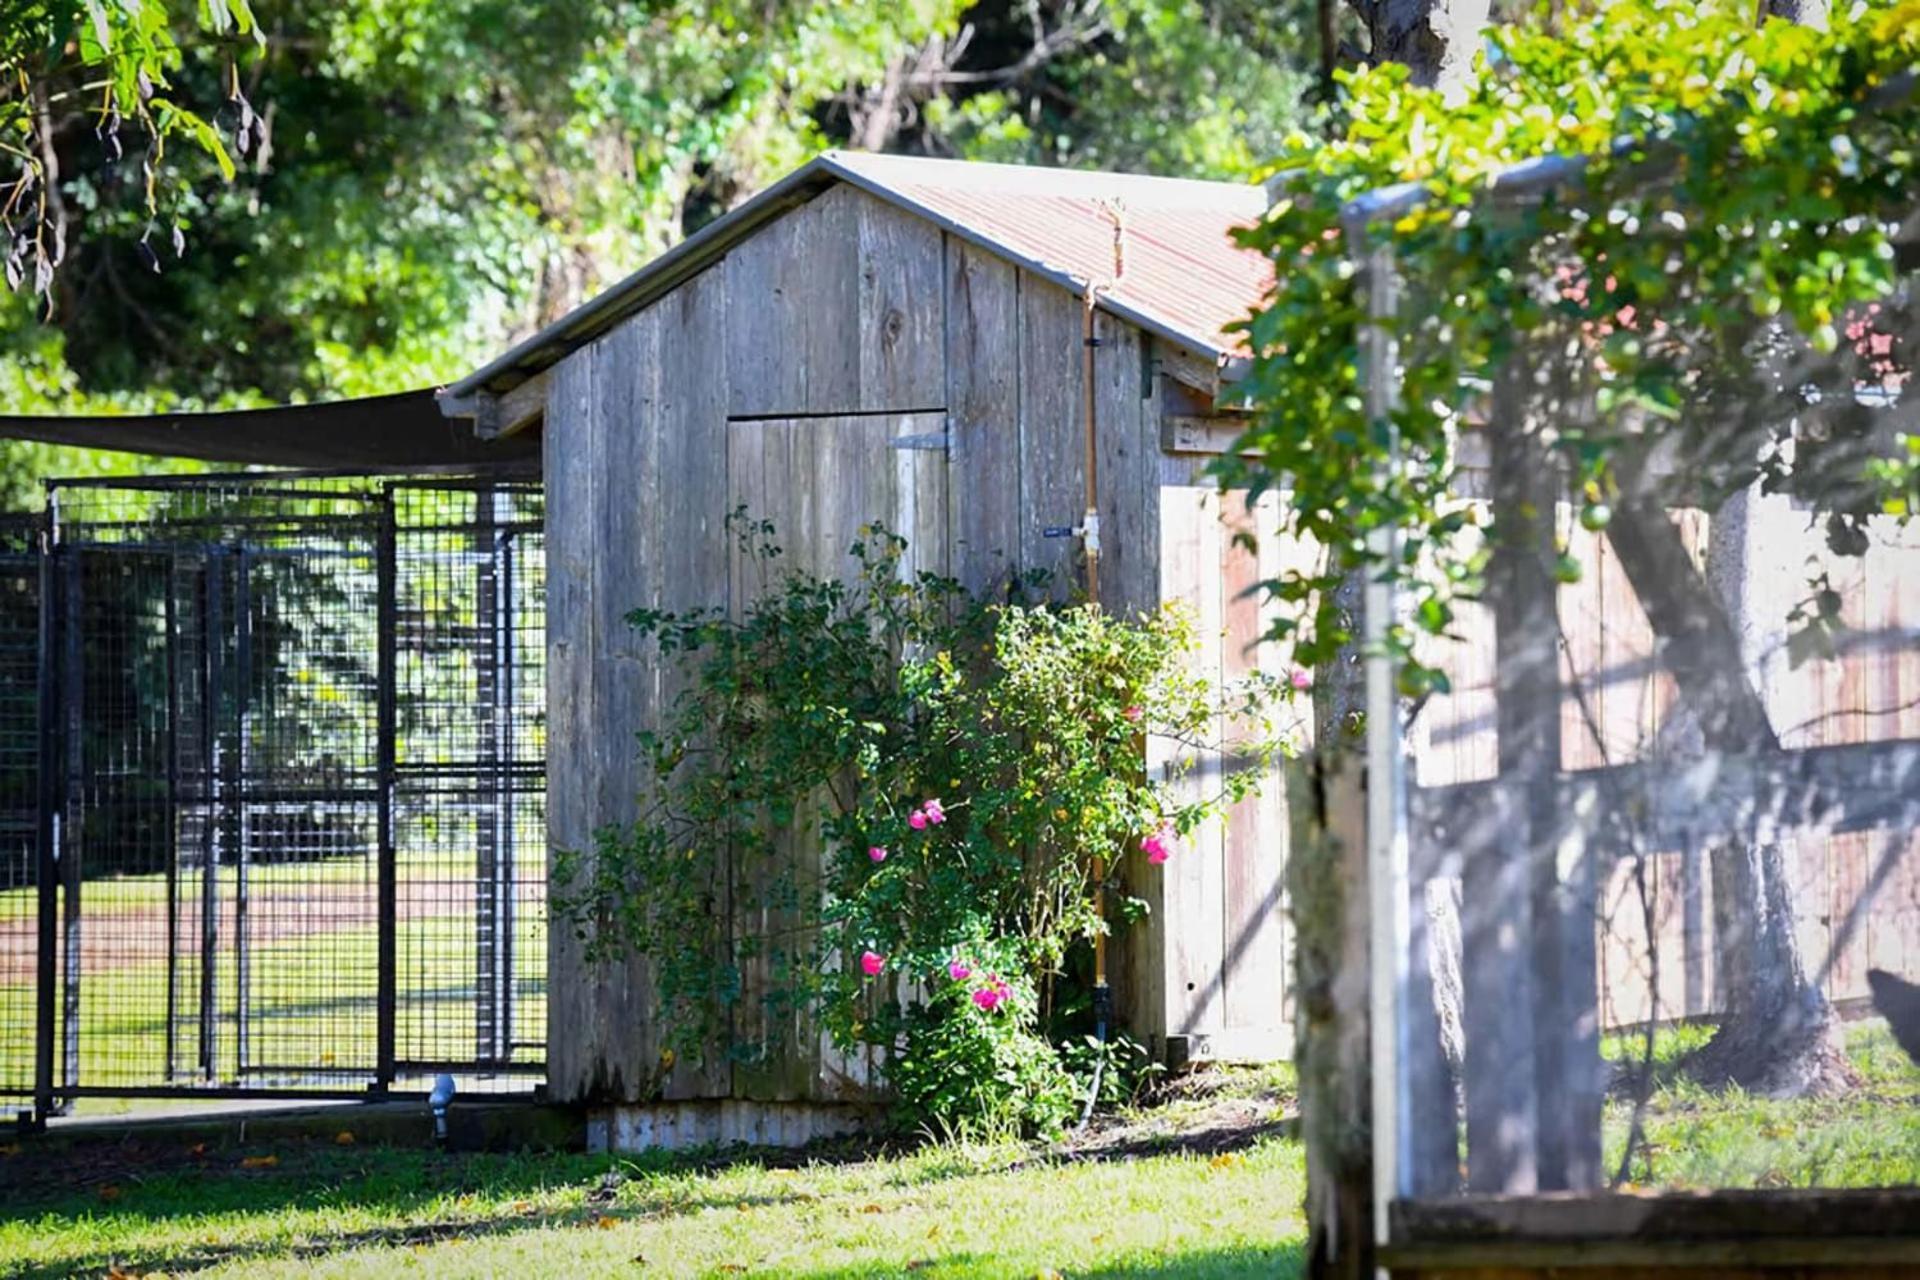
(311,1005)
(1695,1138)
(941,1211)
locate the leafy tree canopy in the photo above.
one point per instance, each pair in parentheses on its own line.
(1702,274)
(422,181)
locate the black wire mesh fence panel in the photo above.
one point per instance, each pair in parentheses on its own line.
(19,794)
(469,794)
(296,787)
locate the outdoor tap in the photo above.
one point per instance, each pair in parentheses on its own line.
(438,1101)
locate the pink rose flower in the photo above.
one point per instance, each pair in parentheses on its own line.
(871,963)
(935,813)
(917,820)
(959,971)
(988,999)
(1134,712)
(1301,679)
(1158,846)
(878,853)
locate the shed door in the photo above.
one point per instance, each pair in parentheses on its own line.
(818,480)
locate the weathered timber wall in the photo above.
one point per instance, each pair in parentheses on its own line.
(1213,952)
(1620,708)
(805,377)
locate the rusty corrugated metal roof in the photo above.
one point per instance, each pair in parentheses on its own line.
(1180,276)
(1178,264)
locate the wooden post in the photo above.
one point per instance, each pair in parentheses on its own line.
(1532,1074)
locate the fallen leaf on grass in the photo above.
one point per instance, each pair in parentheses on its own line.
(197,1149)
(523,1206)
(605,1223)
(344,1138)
(259,1162)
(1048,1273)
(871,1208)
(110,1193)
(1227,1160)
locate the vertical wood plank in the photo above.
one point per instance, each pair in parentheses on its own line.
(1052,440)
(824,326)
(1126,450)
(625,562)
(568,468)
(1253,950)
(983,417)
(1502,988)
(902,318)
(757,475)
(692,546)
(1195,878)
(765,289)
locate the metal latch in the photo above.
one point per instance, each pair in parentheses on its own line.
(1089,530)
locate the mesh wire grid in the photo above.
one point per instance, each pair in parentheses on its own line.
(254,678)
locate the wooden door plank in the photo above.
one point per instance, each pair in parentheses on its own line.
(983,417)
(1052,432)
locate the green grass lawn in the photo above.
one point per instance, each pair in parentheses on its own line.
(320,1209)
(1206,1183)
(1697,1139)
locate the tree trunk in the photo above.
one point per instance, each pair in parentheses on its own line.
(1327,864)
(1326,871)
(1777,1033)
(1436,39)
(1805,13)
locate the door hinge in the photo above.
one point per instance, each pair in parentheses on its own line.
(931,440)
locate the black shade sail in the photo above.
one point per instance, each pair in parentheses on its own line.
(400,432)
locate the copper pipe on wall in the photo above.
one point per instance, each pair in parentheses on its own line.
(1090,544)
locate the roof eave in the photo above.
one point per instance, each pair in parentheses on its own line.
(1196,343)
(708,245)
(661,276)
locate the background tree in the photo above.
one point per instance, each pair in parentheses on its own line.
(1699,383)
(63,62)
(426,180)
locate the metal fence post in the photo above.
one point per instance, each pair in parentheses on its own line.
(386,571)
(47,832)
(172,853)
(212,623)
(234,765)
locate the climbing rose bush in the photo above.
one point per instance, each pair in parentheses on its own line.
(908,797)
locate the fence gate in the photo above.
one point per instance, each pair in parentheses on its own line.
(271,788)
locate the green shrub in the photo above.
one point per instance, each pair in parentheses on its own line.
(970,773)
(960,1068)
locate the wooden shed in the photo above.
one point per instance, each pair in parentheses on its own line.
(879,338)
